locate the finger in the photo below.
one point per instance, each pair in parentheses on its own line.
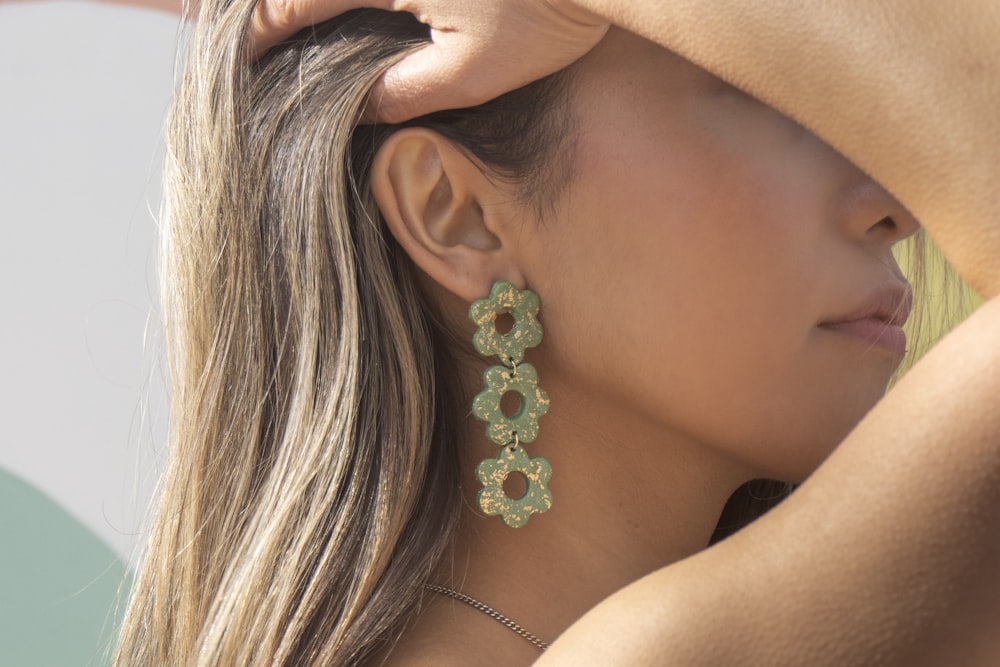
(275,20)
(442,76)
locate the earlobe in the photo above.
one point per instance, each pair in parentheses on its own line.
(432,197)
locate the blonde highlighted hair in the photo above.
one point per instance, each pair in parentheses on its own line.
(312,483)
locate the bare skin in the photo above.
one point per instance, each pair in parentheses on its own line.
(646,462)
(888,553)
(908,569)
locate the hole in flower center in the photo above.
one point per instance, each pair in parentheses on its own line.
(510,404)
(515,485)
(504,323)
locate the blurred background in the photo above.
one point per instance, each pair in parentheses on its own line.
(84,89)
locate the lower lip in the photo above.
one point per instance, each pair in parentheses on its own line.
(877,333)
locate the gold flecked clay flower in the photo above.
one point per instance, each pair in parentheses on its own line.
(500,380)
(494,500)
(522,305)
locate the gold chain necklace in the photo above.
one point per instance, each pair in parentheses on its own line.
(489,611)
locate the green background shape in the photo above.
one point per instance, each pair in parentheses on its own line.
(60,585)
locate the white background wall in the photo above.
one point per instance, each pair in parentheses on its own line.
(84,89)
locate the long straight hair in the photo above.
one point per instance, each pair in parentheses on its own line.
(309,420)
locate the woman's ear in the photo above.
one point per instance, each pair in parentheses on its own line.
(444,212)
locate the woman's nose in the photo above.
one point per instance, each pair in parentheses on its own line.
(873,215)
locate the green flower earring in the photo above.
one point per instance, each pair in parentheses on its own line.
(520,379)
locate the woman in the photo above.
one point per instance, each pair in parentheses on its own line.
(322,505)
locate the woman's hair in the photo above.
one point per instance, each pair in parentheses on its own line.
(312,484)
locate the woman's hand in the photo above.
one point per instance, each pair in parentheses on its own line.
(478,50)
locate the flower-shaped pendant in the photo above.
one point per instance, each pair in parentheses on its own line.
(494,500)
(522,305)
(499,381)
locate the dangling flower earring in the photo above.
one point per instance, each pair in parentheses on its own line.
(509,432)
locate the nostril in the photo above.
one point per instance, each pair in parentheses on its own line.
(893,229)
(886,223)
(897,227)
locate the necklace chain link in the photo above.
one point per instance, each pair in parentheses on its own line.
(489,611)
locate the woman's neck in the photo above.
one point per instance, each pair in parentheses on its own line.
(630,497)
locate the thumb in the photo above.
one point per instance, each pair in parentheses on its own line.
(435,77)
(458,70)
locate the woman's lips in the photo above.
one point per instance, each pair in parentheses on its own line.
(874,331)
(879,320)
